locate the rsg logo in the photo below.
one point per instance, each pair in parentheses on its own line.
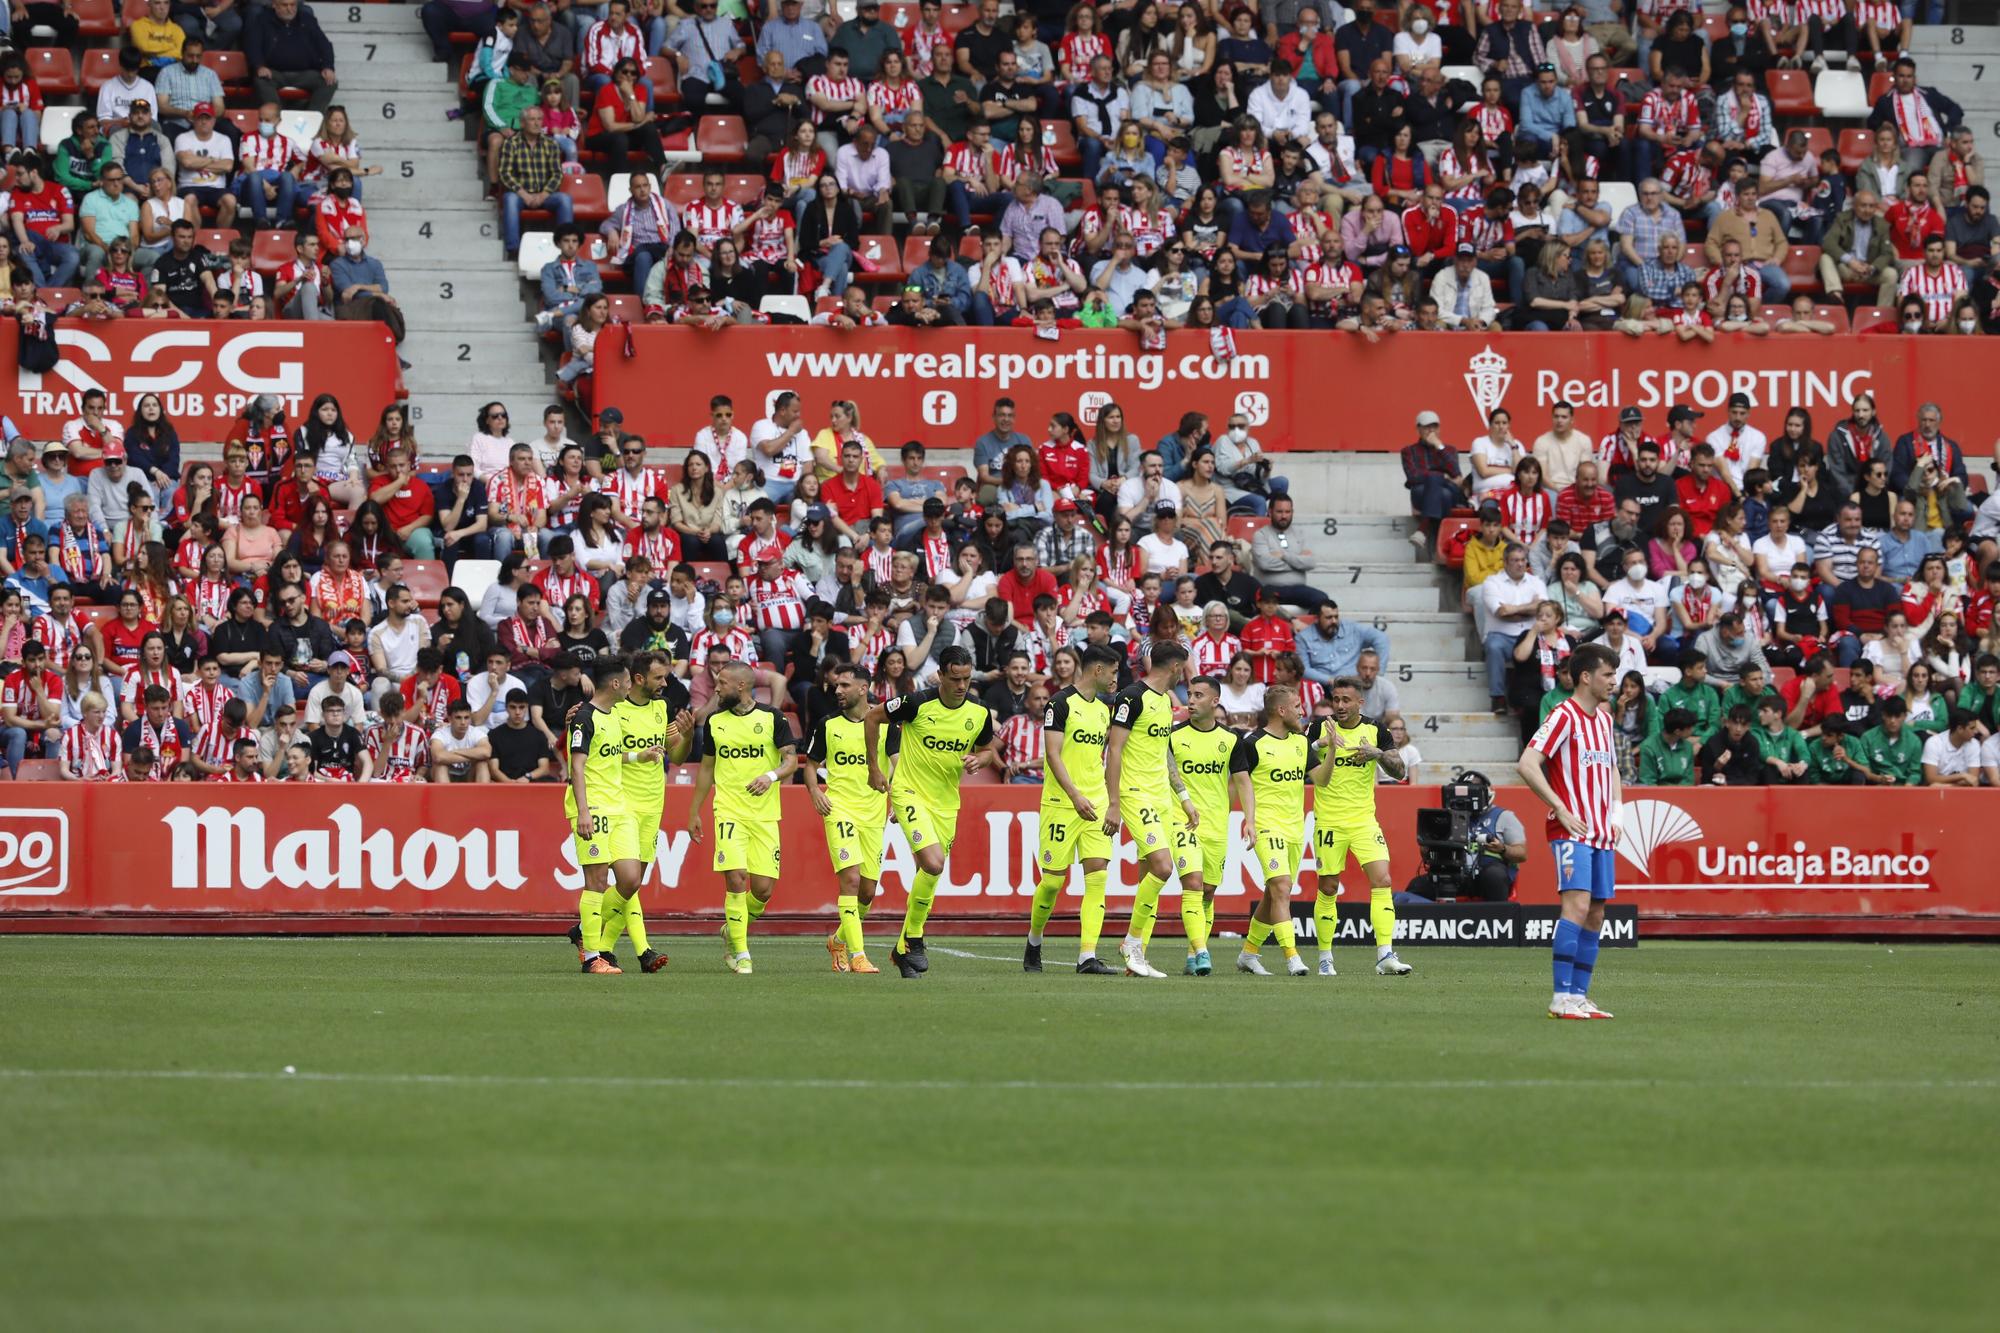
(172,359)
(34,853)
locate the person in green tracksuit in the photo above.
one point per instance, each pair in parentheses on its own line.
(1830,756)
(1783,748)
(1666,758)
(1893,751)
(1751,686)
(1693,692)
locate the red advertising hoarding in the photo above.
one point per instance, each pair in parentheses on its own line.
(204,370)
(1300,391)
(437,857)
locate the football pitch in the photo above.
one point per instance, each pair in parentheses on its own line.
(1777,1136)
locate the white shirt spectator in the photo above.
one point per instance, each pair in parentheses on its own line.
(115,98)
(399,651)
(1246,700)
(480,688)
(789,463)
(1499,590)
(1162,556)
(1649,598)
(1950,759)
(1751,447)
(1779,558)
(1132,491)
(1494,454)
(1292,114)
(1989,754)
(860,175)
(323,691)
(724,454)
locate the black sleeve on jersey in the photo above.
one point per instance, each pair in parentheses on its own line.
(677,698)
(1243,759)
(781,731)
(708,737)
(1313,756)
(816,742)
(1056,715)
(904,706)
(985,731)
(581,727)
(1382,741)
(1127,704)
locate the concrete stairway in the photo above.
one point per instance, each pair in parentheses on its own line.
(435,231)
(1963,63)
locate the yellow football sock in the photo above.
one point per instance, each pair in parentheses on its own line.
(1382,912)
(1145,908)
(923,892)
(736,920)
(1287,937)
(756,906)
(1047,890)
(850,921)
(590,919)
(866,903)
(635,923)
(614,920)
(1326,919)
(1254,937)
(1208,911)
(1194,921)
(1090,916)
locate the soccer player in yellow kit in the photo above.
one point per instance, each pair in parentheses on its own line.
(748,755)
(855,815)
(1147,794)
(1202,749)
(656,728)
(594,803)
(1075,726)
(942,735)
(1269,773)
(1351,748)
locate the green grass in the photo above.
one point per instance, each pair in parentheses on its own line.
(1785,1136)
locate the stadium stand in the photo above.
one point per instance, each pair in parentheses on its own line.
(500,203)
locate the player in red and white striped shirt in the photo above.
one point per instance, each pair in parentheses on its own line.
(1571,765)
(91,751)
(1938,283)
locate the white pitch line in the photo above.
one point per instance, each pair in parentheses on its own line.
(996,1085)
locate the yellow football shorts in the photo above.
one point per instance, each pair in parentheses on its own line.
(749,845)
(1067,837)
(852,841)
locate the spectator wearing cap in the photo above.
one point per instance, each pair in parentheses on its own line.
(1547,113)
(141,146)
(338,684)
(57,482)
(108,491)
(1432,474)
(207,160)
(1464,293)
(1065,539)
(1166,554)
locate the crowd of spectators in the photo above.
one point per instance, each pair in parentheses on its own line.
(1831,596)
(156,201)
(1371,169)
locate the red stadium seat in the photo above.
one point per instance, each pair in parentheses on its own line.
(946,473)
(916,253)
(682,188)
(1716,26)
(54,70)
(244,118)
(133,11)
(721,138)
(1453,534)
(717,570)
(100,66)
(272,250)
(59,298)
(1818,139)
(587,200)
(216,239)
(1870,318)
(41,770)
(1067,153)
(1835,315)
(1791,93)
(955,19)
(96,18)
(664,75)
(1244,526)
(427,579)
(1802,267)
(881,251)
(884,304)
(1879,83)
(745,189)
(232,67)
(626,306)
(1855,146)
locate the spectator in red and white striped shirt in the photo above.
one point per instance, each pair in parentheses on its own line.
(1021,739)
(1526,506)
(1939,284)
(778,598)
(215,744)
(271,162)
(1215,647)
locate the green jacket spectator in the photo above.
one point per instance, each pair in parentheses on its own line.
(1664,765)
(1785,745)
(1551,699)
(1736,694)
(78,163)
(1899,757)
(1830,757)
(1699,698)
(504,99)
